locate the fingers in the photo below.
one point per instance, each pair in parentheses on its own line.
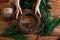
(19,11)
(17,14)
(37,12)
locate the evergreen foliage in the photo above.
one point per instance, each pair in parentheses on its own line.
(17,35)
(27,4)
(48,23)
(47,26)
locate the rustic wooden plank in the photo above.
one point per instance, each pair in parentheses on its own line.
(58,26)
(48,38)
(56,32)
(55,4)
(4,1)
(4,26)
(31,36)
(3,38)
(4,5)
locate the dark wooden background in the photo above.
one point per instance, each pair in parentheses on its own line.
(4,23)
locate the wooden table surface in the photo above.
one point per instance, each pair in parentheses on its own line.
(4,23)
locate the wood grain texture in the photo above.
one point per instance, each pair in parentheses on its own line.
(4,1)
(4,23)
(48,38)
(3,38)
(31,36)
(3,5)
(55,4)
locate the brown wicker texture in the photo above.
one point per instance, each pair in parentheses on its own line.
(29,22)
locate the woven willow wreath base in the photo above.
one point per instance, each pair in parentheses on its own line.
(29,22)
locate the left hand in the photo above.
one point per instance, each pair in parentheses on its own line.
(37,12)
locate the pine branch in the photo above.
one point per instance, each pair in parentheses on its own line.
(48,24)
(27,4)
(11,29)
(17,35)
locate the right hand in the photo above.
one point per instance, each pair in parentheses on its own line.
(19,10)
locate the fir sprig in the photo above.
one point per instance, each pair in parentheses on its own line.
(27,4)
(17,35)
(11,29)
(48,24)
